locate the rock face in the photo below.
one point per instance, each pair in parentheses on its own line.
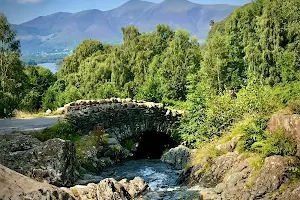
(17,186)
(52,161)
(228,146)
(290,124)
(232,176)
(178,157)
(121,118)
(109,189)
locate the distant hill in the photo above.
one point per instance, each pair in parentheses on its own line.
(64,30)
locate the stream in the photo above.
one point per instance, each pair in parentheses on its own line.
(160,176)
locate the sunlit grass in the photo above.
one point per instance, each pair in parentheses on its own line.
(22,114)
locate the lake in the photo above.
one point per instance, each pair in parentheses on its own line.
(50,66)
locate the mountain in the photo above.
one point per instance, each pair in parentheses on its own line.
(64,30)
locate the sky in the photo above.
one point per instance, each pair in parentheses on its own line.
(19,11)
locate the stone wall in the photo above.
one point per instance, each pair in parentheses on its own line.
(121,118)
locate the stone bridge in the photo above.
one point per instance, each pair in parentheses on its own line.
(122,118)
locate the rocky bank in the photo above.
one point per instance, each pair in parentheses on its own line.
(234,175)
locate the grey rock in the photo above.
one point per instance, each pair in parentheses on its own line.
(178,156)
(52,161)
(112,141)
(109,189)
(290,124)
(274,173)
(217,171)
(16,186)
(116,152)
(61,110)
(229,146)
(135,187)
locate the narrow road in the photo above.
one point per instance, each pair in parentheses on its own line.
(28,124)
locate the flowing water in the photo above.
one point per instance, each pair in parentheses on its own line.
(161,178)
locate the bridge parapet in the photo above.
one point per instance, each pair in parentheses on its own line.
(122,118)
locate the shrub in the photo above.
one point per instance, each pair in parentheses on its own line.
(257,140)
(62,130)
(254,132)
(294,106)
(278,144)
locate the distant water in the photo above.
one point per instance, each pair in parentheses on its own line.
(50,66)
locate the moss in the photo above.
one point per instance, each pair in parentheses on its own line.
(294,106)
(208,151)
(128,144)
(256,162)
(61,129)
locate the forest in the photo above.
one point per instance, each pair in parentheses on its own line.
(255,50)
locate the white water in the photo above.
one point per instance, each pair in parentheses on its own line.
(161,178)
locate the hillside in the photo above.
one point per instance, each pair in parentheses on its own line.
(66,30)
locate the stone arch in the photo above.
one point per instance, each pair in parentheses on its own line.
(122,118)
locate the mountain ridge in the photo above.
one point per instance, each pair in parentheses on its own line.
(65,30)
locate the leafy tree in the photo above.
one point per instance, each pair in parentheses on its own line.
(39,79)
(11,69)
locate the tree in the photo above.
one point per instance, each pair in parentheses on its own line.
(11,69)
(215,60)
(211,23)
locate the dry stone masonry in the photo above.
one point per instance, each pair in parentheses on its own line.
(121,118)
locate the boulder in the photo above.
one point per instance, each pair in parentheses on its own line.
(218,169)
(229,146)
(116,152)
(292,193)
(273,174)
(52,161)
(209,172)
(109,189)
(290,124)
(61,110)
(48,112)
(178,156)
(92,162)
(17,186)
(135,186)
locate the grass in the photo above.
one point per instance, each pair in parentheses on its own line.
(256,161)
(208,151)
(22,114)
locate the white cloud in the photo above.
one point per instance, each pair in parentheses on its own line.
(28,1)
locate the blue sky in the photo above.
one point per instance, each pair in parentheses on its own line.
(19,11)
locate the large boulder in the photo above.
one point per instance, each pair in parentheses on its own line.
(244,182)
(18,186)
(290,124)
(109,189)
(178,157)
(275,172)
(52,161)
(135,186)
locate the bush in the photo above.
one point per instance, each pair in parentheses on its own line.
(62,130)
(257,140)
(294,106)
(278,144)
(254,132)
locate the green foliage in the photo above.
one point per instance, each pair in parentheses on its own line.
(294,106)
(39,80)
(11,73)
(149,66)
(128,144)
(256,139)
(278,144)
(62,130)
(254,133)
